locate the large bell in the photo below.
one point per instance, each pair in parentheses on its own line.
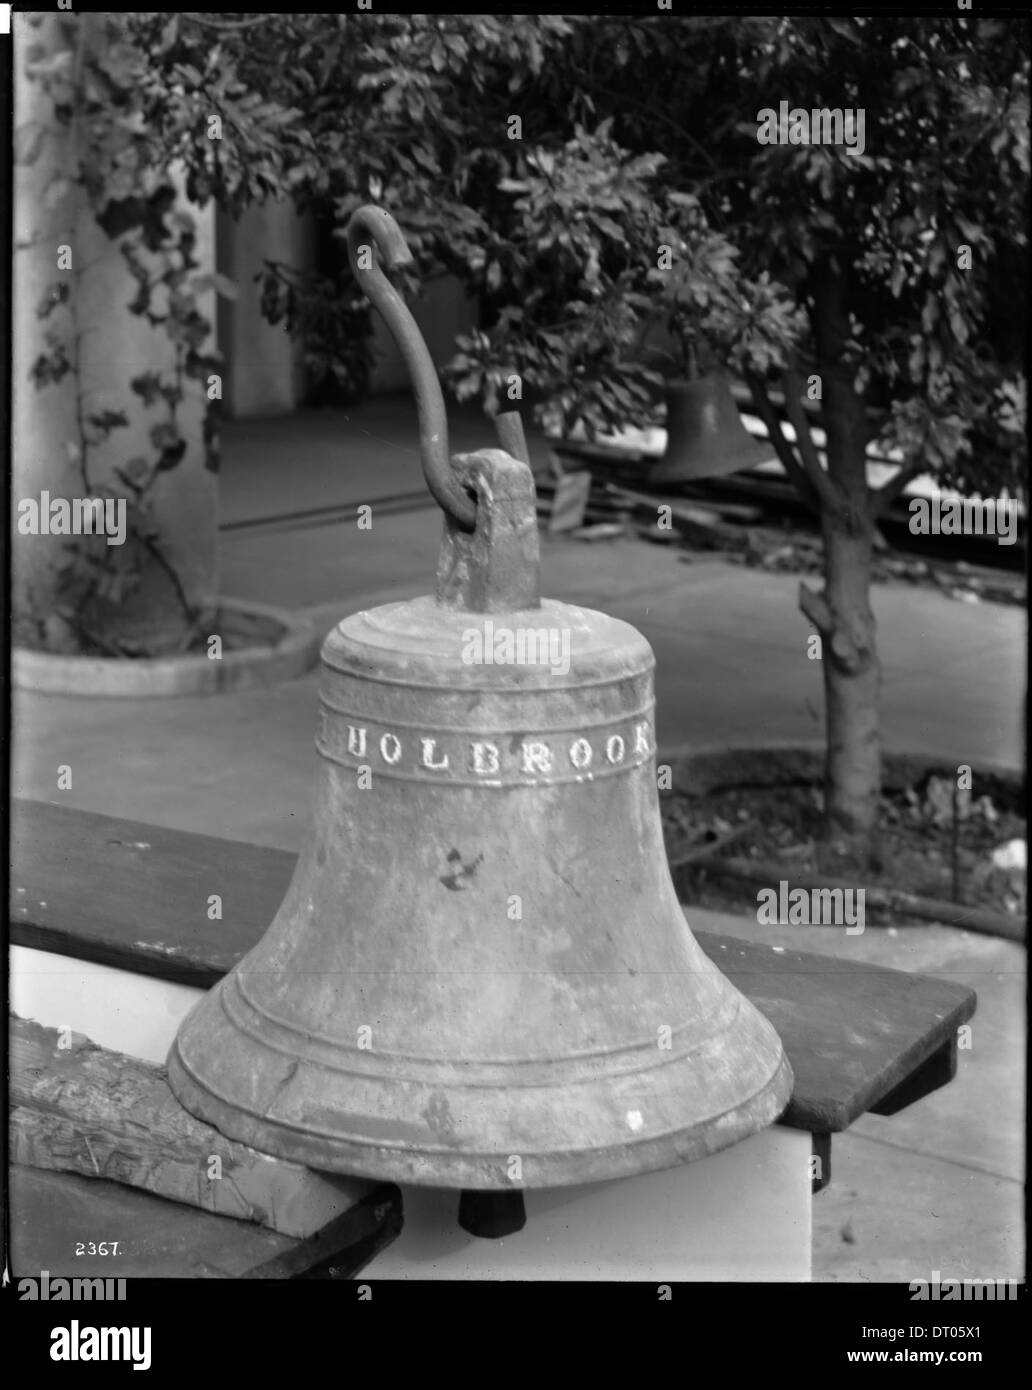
(705,434)
(480,976)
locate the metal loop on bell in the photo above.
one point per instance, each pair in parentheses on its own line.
(379,227)
(493,568)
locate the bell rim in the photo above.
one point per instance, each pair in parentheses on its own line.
(750,454)
(451,1169)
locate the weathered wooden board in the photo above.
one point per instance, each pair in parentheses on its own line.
(54,1215)
(853,1032)
(82,1109)
(136,896)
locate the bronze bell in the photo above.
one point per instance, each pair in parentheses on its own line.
(705,434)
(480,976)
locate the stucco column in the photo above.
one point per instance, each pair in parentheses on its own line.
(65,259)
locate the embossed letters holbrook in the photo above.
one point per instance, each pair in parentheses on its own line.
(499,759)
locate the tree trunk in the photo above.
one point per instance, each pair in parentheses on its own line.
(852,678)
(842,614)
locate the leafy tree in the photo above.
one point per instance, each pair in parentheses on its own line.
(893,253)
(867,277)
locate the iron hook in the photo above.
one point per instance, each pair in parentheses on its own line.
(378,226)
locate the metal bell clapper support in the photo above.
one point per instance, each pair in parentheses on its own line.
(480,977)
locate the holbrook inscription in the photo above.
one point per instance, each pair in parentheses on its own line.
(489,760)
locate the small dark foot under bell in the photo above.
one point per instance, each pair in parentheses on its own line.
(491,1214)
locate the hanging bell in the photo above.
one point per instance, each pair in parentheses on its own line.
(705,434)
(480,977)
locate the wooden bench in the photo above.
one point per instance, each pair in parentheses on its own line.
(134,897)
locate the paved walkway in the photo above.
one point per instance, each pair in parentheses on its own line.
(937,1187)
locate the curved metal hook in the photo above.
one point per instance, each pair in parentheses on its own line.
(374,224)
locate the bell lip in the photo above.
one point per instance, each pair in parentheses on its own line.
(750,454)
(480,1172)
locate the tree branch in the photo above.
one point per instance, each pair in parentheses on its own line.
(815,607)
(816,476)
(655,114)
(846,645)
(765,410)
(883,497)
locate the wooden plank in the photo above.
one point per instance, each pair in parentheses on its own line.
(938,1070)
(54,1214)
(853,1032)
(86,1110)
(701,525)
(136,896)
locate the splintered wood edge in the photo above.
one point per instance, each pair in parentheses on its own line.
(80,1108)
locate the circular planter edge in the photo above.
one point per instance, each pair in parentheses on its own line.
(251,668)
